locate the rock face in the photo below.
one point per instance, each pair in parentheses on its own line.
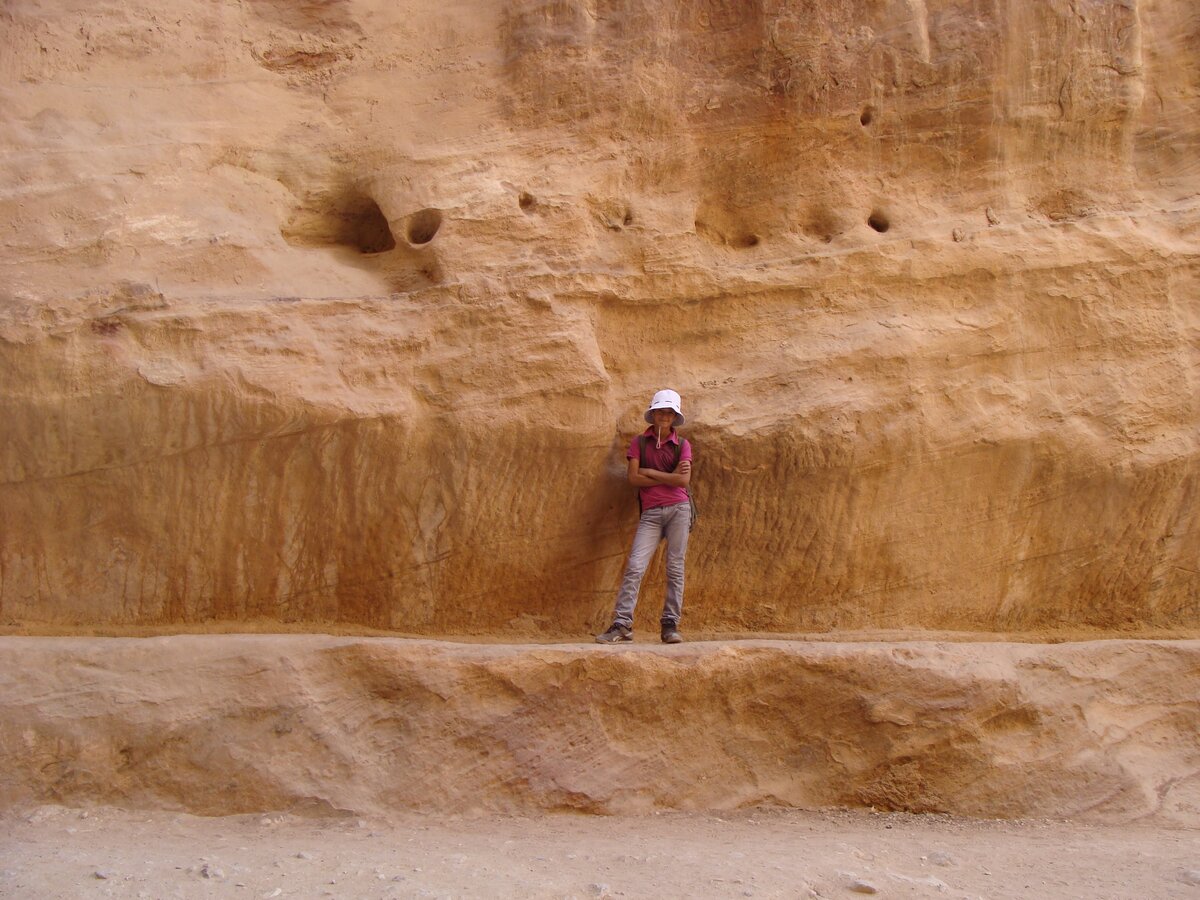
(1102,732)
(343,312)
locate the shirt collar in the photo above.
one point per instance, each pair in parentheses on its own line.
(673,439)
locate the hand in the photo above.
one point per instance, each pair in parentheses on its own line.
(685,467)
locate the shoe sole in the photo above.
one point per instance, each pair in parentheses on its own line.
(620,640)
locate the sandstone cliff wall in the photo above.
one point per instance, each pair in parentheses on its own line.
(343,312)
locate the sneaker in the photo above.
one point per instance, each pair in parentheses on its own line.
(615,634)
(670,634)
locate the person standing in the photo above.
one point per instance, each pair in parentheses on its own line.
(660,466)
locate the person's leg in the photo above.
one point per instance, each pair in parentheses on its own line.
(677,524)
(645,542)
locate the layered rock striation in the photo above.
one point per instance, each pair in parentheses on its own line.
(216,725)
(343,313)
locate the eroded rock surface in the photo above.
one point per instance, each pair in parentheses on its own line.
(343,312)
(1101,731)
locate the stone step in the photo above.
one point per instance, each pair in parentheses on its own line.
(1100,731)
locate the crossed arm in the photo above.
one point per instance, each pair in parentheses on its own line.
(639,477)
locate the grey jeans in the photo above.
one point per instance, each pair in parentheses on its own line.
(673,523)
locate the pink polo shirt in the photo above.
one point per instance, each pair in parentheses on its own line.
(661,494)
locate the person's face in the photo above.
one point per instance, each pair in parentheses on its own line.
(663,418)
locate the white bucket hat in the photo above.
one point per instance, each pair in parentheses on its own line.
(665,400)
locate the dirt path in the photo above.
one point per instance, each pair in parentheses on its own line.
(53,852)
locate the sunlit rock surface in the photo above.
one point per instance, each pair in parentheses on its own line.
(221,724)
(343,313)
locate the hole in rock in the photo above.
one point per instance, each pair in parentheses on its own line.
(526,201)
(349,219)
(423,225)
(613,214)
(867,116)
(366,228)
(822,223)
(879,221)
(730,236)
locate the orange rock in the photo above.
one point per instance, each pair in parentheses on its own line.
(289,291)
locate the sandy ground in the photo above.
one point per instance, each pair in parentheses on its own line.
(55,852)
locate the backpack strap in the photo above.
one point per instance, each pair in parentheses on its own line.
(643,439)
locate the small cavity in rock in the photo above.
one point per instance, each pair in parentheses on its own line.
(422,226)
